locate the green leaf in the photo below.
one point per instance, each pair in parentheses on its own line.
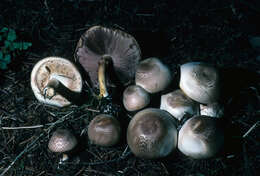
(7,58)
(7,44)
(1,38)
(11,35)
(26,45)
(1,55)
(3,65)
(4,29)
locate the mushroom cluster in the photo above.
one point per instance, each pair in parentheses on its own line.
(112,58)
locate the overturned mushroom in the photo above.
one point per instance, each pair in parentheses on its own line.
(104,43)
(153,75)
(200,82)
(56,81)
(201,137)
(152,134)
(178,104)
(104,130)
(61,141)
(135,98)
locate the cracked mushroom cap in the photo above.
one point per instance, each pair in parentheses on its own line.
(152,134)
(61,141)
(104,130)
(57,68)
(122,47)
(135,98)
(201,137)
(178,104)
(200,82)
(153,75)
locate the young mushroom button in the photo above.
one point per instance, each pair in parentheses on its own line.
(104,130)
(135,98)
(56,81)
(152,134)
(200,82)
(178,104)
(117,45)
(153,75)
(61,141)
(201,137)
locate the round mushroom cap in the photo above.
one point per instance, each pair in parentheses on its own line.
(153,75)
(104,130)
(135,98)
(57,68)
(178,104)
(61,141)
(152,134)
(200,82)
(122,47)
(201,137)
(212,110)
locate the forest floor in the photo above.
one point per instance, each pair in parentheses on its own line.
(213,31)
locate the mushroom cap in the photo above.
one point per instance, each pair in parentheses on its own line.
(178,104)
(58,68)
(104,130)
(152,133)
(152,75)
(98,41)
(201,137)
(135,98)
(200,81)
(212,110)
(61,141)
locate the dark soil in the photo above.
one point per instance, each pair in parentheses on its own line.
(214,31)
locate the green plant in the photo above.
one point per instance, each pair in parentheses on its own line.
(9,47)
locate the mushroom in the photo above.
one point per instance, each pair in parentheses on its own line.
(100,43)
(153,75)
(152,133)
(56,81)
(62,141)
(178,104)
(135,98)
(212,110)
(200,81)
(201,137)
(104,130)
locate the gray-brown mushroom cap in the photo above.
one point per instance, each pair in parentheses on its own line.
(153,75)
(152,133)
(178,104)
(201,137)
(62,141)
(135,98)
(104,130)
(99,41)
(200,81)
(59,69)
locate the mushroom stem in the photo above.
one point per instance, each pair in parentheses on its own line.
(57,84)
(102,65)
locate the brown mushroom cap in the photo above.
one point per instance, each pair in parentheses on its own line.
(200,81)
(201,137)
(153,75)
(98,41)
(152,133)
(135,98)
(55,68)
(178,104)
(62,141)
(104,130)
